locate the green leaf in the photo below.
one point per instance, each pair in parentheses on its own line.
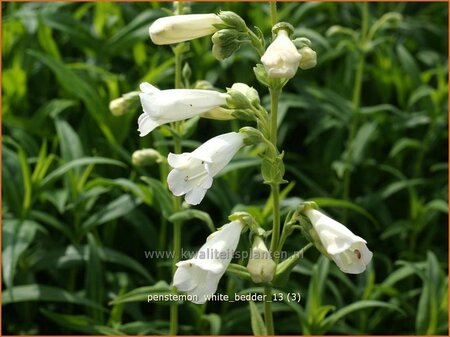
(141,294)
(12,181)
(16,237)
(258,327)
(79,323)
(214,322)
(397,186)
(115,209)
(80,89)
(133,32)
(42,293)
(164,200)
(428,308)
(190,214)
(437,205)
(357,306)
(94,278)
(26,175)
(45,218)
(317,284)
(63,169)
(138,190)
(403,144)
(70,255)
(240,163)
(78,32)
(70,143)
(364,135)
(407,62)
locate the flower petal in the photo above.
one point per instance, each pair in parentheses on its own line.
(206,288)
(178,184)
(187,276)
(147,88)
(196,195)
(178,160)
(146,124)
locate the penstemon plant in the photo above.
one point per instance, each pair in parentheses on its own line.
(191,174)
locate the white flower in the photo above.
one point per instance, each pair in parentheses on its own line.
(165,106)
(200,275)
(281,58)
(260,264)
(193,172)
(347,250)
(179,28)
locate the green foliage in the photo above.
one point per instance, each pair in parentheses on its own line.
(77,217)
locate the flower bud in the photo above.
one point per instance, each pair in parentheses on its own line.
(242,96)
(301,42)
(232,20)
(309,58)
(252,136)
(260,264)
(225,36)
(218,113)
(146,157)
(221,51)
(186,72)
(237,97)
(272,169)
(203,84)
(281,58)
(122,105)
(179,28)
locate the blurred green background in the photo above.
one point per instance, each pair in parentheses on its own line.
(78,218)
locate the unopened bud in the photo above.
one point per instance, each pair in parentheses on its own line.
(186,72)
(146,157)
(252,136)
(301,42)
(221,51)
(219,113)
(283,26)
(243,96)
(309,58)
(232,20)
(225,36)
(237,99)
(122,105)
(203,84)
(260,264)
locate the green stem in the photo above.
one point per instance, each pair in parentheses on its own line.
(268,311)
(356,103)
(273,12)
(274,95)
(173,330)
(275,190)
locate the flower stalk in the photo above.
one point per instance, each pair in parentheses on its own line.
(173,325)
(356,102)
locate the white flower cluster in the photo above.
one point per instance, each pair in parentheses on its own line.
(192,173)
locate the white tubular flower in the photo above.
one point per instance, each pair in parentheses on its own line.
(179,28)
(281,58)
(347,250)
(193,172)
(260,264)
(165,106)
(200,275)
